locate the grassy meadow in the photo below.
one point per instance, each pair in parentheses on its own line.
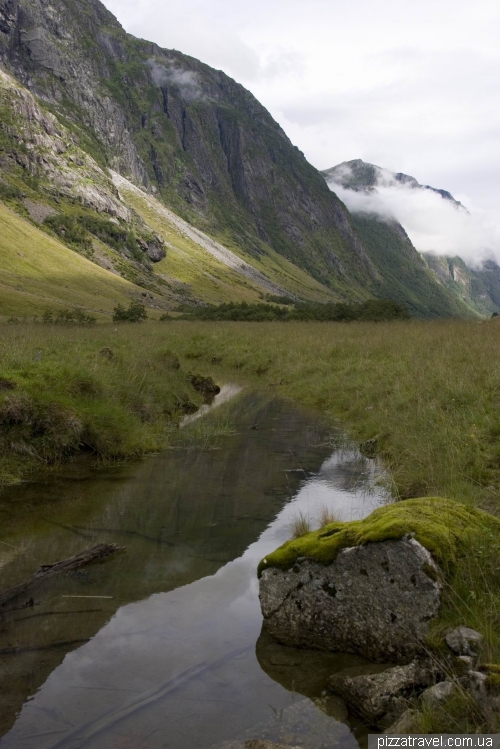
(422,396)
(426,395)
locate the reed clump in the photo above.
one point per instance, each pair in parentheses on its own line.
(300,525)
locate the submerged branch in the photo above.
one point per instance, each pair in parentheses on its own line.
(48,570)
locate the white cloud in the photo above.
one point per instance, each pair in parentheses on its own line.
(186,81)
(432,223)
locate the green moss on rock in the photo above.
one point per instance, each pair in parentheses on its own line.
(445,527)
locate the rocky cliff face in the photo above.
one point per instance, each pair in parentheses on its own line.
(184,130)
(479,288)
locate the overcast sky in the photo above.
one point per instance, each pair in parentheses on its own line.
(410,85)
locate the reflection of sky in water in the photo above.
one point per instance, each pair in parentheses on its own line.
(179,669)
(344,485)
(227,392)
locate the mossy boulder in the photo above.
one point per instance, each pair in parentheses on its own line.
(444,527)
(375,586)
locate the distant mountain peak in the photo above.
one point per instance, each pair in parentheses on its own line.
(362,176)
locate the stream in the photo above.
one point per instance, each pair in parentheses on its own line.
(161,646)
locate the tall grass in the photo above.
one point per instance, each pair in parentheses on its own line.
(326,516)
(67,390)
(429,392)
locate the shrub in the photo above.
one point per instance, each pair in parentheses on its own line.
(68,317)
(277,299)
(375,310)
(70,231)
(9,192)
(135,313)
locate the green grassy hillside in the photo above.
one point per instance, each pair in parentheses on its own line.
(37,272)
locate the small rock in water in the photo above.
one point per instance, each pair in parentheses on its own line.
(464,641)
(375,695)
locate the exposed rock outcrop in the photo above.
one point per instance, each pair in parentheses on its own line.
(43,147)
(155,249)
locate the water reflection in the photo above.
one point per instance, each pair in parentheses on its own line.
(227,393)
(175,668)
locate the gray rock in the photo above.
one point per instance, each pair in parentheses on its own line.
(375,695)
(375,600)
(438,693)
(464,641)
(156,251)
(405,723)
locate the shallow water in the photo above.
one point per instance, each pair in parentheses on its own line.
(173,656)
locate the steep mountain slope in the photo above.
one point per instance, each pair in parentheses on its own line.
(463,290)
(405,275)
(211,271)
(477,287)
(189,132)
(54,184)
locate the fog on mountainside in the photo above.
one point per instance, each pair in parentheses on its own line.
(433,219)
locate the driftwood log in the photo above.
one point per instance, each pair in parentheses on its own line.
(48,570)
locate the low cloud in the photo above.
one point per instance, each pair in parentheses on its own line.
(433,223)
(186,81)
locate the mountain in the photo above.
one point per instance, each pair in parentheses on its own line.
(187,133)
(362,176)
(58,189)
(171,176)
(408,275)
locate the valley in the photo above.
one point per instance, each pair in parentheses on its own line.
(248,373)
